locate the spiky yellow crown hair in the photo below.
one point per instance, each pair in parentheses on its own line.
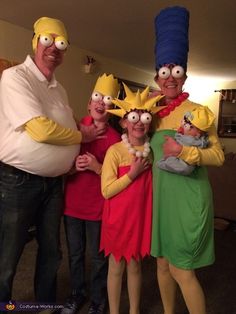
(135,101)
(107,85)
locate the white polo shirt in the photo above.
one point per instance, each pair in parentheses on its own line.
(25,94)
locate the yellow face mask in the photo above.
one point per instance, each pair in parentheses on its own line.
(47,26)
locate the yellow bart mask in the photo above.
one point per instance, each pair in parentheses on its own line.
(46,26)
(107,85)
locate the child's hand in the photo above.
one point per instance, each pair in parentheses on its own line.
(93,164)
(81,163)
(138,165)
(88,162)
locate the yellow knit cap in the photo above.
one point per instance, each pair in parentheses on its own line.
(107,85)
(50,26)
(202,118)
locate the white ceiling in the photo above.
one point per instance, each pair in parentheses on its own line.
(124,29)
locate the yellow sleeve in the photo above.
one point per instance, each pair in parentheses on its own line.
(110,183)
(44,130)
(210,156)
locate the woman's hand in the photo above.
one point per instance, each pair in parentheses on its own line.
(171,147)
(138,165)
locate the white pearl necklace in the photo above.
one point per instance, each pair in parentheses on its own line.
(134,151)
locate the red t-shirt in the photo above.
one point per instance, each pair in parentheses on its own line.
(83,198)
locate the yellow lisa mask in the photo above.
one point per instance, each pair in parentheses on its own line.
(49,26)
(136,101)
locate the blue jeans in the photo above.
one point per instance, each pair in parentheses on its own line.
(78,232)
(26,200)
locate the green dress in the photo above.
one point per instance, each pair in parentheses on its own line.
(182,228)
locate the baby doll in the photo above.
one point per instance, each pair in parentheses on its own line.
(192,132)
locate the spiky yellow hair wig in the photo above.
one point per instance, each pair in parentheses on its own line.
(135,101)
(107,85)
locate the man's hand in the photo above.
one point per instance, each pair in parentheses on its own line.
(92,132)
(171,147)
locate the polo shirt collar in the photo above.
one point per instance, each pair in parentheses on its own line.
(33,67)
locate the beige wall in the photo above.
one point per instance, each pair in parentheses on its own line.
(16,44)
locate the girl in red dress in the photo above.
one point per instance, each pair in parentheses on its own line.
(127,188)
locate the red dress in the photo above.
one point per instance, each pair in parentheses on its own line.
(127,216)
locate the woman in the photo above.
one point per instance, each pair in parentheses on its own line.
(182,234)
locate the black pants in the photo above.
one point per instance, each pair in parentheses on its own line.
(28,199)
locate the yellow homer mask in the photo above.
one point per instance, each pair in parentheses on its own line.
(136,101)
(44,27)
(107,85)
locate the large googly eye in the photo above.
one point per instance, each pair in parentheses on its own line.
(177,71)
(96,96)
(164,72)
(46,40)
(133,117)
(146,118)
(61,43)
(107,100)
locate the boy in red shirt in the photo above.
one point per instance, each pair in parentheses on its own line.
(84,203)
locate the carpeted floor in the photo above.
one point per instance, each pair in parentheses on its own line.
(218,280)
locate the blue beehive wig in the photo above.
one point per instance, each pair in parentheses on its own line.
(172,46)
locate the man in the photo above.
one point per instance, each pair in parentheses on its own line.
(39,141)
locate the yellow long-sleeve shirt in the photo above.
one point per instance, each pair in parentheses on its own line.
(44,130)
(117,156)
